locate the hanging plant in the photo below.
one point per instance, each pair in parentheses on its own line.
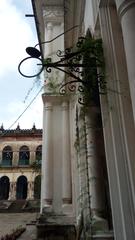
(93,74)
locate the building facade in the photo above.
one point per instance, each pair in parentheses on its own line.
(88,168)
(20,162)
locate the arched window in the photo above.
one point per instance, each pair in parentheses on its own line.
(39,154)
(21,187)
(7,155)
(4,188)
(24,155)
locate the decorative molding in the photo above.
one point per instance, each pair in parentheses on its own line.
(54,99)
(125,6)
(48,107)
(67,200)
(53,14)
(48,201)
(65,106)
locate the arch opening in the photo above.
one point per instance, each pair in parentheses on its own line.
(22,187)
(24,155)
(4,188)
(7,155)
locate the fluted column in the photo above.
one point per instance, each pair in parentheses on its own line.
(96,188)
(66,166)
(126,11)
(49,46)
(47,159)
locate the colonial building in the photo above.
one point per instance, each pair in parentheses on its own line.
(88,169)
(20,162)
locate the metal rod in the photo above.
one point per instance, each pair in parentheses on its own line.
(57,36)
(29,15)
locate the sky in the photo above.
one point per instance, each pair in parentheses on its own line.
(16,92)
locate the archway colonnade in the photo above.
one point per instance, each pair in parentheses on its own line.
(21,188)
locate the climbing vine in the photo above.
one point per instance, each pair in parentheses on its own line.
(93,74)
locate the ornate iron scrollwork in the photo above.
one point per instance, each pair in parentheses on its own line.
(84,64)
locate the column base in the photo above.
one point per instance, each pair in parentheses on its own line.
(67,206)
(52,226)
(99,224)
(67,209)
(47,206)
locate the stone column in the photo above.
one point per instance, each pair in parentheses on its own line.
(12,191)
(97,193)
(118,126)
(54,25)
(49,46)
(15,160)
(32,156)
(66,158)
(30,190)
(47,159)
(0,157)
(126,11)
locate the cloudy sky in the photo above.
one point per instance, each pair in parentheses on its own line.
(16,92)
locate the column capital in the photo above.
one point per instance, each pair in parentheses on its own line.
(124,6)
(48,107)
(53,14)
(49,26)
(64,106)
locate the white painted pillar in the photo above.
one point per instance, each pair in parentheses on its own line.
(126,11)
(12,191)
(30,191)
(15,159)
(49,34)
(66,158)
(32,156)
(47,159)
(0,157)
(96,188)
(118,124)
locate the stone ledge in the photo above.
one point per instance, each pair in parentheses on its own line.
(103,236)
(56,227)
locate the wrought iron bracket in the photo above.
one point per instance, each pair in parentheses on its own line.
(76,62)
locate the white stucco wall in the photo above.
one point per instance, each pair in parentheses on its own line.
(89,17)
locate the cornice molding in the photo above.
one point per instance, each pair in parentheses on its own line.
(125,6)
(53,14)
(54,99)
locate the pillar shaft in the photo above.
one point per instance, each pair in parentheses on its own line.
(118,126)
(66,168)
(126,11)
(30,190)
(94,163)
(49,33)
(47,166)
(12,191)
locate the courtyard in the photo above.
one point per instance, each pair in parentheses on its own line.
(11,221)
